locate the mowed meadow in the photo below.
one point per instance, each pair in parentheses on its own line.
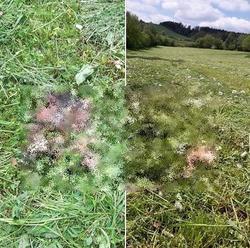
(61,49)
(179,99)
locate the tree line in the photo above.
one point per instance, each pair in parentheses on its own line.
(143,35)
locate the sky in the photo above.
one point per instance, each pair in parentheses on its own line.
(231,15)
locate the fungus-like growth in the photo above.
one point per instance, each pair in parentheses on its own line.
(90,160)
(39,145)
(61,115)
(201,154)
(64,113)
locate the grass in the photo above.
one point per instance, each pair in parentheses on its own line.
(42,50)
(177,98)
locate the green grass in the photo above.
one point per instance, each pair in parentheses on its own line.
(41,50)
(186,96)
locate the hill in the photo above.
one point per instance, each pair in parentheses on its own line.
(170,33)
(197,32)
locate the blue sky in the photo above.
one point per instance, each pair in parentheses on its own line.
(231,15)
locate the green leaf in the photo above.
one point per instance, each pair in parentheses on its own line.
(84,73)
(110,38)
(24,241)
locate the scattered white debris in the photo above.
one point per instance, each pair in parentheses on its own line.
(178,205)
(181,148)
(218,148)
(198,103)
(130,120)
(118,64)
(178,197)
(239,166)
(234,92)
(244,154)
(79,26)
(136,106)
(39,145)
(220,93)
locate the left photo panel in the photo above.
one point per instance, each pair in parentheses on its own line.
(62,79)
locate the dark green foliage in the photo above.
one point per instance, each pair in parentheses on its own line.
(135,37)
(198,32)
(231,42)
(142,35)
(209,41)
(246,44)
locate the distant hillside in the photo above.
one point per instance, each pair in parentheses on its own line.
(197,32)
(173,37)
(169,32)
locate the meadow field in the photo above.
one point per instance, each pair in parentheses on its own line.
(62,49)
(179,99)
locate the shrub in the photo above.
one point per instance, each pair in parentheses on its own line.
(246,44)
(209,41)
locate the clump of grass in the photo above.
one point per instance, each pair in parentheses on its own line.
(43,205)
(185,100)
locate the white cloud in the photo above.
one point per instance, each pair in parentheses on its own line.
(170,4)
(158,18)
(194,12)
(151,2)
(140,7)
(234,5)
(198,12)
(146,11)
(230,5)
(229,23)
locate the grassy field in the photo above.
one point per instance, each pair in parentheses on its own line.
(179,98)
(43,45)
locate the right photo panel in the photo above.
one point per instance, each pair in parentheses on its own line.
(188,124)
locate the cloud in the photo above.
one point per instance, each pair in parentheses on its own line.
(229,5)
(223,14)
(134,6)
(158,18)
(197,12)
(229,23)
(235,5)
(192,10)
(170,5)
(146,11)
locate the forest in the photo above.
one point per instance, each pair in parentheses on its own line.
(143,35)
